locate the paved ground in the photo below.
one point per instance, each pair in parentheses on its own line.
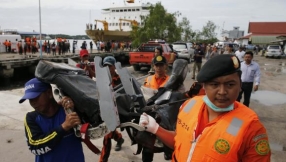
(269,103)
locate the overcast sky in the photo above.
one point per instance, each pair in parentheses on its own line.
(71,16)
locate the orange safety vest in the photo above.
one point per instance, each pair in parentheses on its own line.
(5,43)
(218,142)
(150,82)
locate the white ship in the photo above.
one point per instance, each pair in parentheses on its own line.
(117,21)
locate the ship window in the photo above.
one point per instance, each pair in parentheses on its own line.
(129,17)
(113,10)
(121,10)
(117,10)
(116,24)
(127,24)
(113,24)
(123,24)
(145,8)
(129,10)
(125,10)
(114,17)
(133,9)
(142,23)
(137,9)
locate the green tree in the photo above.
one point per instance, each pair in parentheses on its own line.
(186,29)
(159,24)
(208,31)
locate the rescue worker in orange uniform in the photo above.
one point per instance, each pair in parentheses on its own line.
(215,127)
(159,79)
(6,45)
(158,52)
(117,136)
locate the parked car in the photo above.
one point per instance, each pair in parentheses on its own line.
(184,50)
(273,51)
(250,47)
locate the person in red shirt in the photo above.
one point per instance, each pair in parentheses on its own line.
(85,64)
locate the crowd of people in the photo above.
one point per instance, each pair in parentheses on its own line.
(219,127)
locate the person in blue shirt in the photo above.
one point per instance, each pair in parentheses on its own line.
(48,128)
(250,78)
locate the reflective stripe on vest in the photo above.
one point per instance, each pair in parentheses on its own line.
(150,79)
(228,132)
(189,106)
(234,126)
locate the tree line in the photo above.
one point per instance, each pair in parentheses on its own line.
(160,24)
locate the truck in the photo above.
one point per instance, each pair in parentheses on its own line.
(143,56)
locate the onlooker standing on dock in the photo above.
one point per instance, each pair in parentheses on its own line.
(54,49)
(48,47)
(91,45)
(20,48)
(74,46)
(98,45)
(25,47)
(250,74)
(68,47)
(9,46)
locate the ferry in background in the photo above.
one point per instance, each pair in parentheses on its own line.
(117,21)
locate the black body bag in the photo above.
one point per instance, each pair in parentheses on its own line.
(73,82)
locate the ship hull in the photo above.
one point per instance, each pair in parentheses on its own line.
(101,35)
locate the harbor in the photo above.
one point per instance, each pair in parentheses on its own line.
(13,64)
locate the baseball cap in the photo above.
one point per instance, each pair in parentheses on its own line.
(83,52)
(109,60)
(33,88)
(160,60)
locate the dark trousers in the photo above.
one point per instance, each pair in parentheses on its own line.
(246,88)
(147,155)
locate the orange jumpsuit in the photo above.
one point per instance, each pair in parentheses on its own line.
(154,82)
(233,136)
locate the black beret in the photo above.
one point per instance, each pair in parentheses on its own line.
(217,66)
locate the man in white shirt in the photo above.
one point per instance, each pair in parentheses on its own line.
(240,54)
(250,75)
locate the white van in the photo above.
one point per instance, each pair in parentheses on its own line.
(273,51)
(13,39)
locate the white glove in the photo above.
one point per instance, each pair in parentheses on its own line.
(149,123)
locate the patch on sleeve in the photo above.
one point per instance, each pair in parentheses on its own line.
(262,147)
(258,137)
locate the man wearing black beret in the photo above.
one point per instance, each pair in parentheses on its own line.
(216,125)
